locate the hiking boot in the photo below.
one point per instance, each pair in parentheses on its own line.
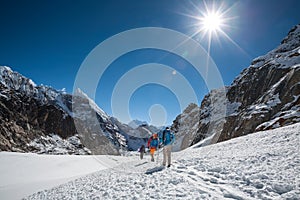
(169,166)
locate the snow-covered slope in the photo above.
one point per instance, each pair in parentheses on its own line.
(54,144)
(262,165)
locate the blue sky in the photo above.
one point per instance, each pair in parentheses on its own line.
(47,41)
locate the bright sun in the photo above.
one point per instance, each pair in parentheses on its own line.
(212,22)
(212,19)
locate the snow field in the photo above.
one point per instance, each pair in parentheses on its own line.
(263,165)
(22,174)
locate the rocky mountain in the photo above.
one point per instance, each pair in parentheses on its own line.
(266,95)
(41,119)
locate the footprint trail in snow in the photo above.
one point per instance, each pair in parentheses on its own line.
(263,165)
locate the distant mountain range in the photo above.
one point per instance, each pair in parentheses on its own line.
(136,123)
(40,119)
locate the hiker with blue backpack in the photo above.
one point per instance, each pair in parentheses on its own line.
(167,140)
(153,145)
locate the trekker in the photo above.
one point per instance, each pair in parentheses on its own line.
(152,145)
(168,139)
(142,151)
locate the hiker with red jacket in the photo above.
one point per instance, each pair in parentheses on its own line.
(153,145)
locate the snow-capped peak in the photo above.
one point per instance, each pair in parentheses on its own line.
(285,55)
(5,68)
(14,80)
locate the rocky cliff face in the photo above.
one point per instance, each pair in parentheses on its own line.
(266,95)
(185,127)
(28,113)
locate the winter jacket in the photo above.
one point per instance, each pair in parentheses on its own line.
(153,142)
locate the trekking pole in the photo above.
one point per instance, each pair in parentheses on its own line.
(157,155)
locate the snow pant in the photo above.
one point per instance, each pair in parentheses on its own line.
(141,155)
(152,150)
(167,154)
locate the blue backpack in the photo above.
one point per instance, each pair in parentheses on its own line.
(168,137)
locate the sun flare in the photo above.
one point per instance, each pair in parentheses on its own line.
(211,19)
